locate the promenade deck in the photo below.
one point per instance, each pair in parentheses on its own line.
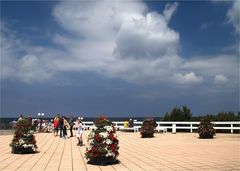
(181,151)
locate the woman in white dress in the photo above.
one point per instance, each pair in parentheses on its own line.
(79,132)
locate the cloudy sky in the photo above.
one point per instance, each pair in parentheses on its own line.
(119,58)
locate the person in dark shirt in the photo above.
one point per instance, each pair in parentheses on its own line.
(61,126)
(71,123)
(65,127)
(35,124)
(130,123)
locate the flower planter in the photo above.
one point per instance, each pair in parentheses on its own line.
(102,147)
(206,135)
(147,129)
(103,161)
(206,130)
(22,150)
(23,141)
(147,135)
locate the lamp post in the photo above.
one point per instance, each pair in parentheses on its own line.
(40,115)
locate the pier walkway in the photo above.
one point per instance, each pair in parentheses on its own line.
(181,151)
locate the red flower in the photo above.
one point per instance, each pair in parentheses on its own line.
(102,117)
(98,138)
(113,147)
(95,155)
(94,149)
(111,136)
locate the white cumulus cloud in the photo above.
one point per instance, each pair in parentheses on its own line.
(20,60)
(118,40)
(148,37)
(123,40)
(169,10)
(187,78)
(233,15)
(213,65)
(220,79)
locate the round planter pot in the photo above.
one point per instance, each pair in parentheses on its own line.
(103,161)
(206,135)
(23,150)
(147,135)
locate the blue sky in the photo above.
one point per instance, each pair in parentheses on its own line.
(131,58)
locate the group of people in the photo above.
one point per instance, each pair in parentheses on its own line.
(38,124)
(61,125)
(57,125)
(128,124)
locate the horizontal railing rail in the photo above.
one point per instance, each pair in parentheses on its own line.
(174,126)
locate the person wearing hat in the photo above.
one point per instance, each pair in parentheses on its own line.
(130,123)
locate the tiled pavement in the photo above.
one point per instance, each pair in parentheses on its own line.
(181,151)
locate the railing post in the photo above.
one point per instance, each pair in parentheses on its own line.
(174,128)
(231,128)
(191,127)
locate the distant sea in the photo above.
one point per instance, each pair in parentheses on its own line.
(7,120)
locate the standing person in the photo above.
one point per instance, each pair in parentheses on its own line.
(60,126)
(79,132)
(35,124)
(50,126)
(44,126)
(40,125)
(21,117)
(65,127)
(30,120)
(56,124)
(125,124)
(130,123)
(71,123)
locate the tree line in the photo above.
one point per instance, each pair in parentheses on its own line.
(184,114)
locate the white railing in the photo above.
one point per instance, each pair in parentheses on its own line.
(174,126)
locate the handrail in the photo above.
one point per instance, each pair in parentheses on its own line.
(177,125)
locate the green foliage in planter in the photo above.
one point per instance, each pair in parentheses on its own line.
(102,146)
(148,127)
(23,141)
(205,129)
